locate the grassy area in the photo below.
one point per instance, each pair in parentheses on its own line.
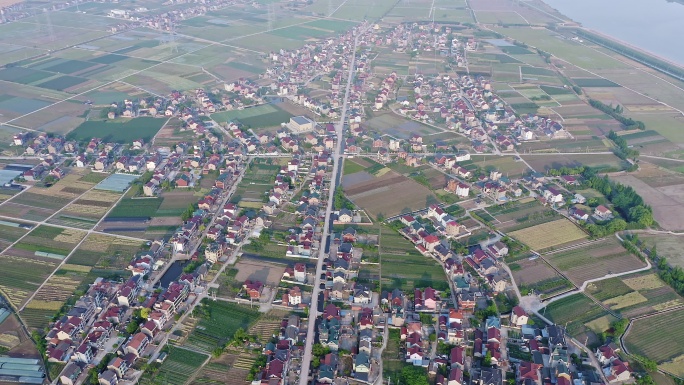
(351,167)
(265,115)
(119,131)
(575,311)
(549,234)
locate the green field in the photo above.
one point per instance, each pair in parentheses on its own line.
(658,338)
(179,366)
(404,267)
(22,276)
(136,208)
(119,131)
(575,311)
(62,83)
(265,115)
(594,82)
(219,321)
(351,167)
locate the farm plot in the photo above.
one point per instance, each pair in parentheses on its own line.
(265,115)
(535,275)
(22,276)
(49,242)
(219,321)
(518,215)
(549,234)
(175,203)
(594,260)
(119,131)
(668,246)
(404,267)
(255,270)
(105,252)
(503,164)
(87,210)
(376,197)
(180,365)
(141,208)
(635,295)
(658,338)
(10,233)
(51,296)
(258,180)
(579,312)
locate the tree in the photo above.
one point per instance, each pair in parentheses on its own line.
(413,375)
(619,327)
(487,360)
(316,362)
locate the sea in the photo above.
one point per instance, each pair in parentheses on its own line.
(655,26)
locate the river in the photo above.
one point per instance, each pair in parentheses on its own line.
(654,26)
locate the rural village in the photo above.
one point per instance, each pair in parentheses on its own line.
(370,197)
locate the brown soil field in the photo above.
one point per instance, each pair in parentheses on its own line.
(377,196)
(255,270)
(667,202)
(533,271)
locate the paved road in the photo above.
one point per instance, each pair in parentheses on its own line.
(337,159)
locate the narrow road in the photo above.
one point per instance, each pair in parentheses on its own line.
(337,160)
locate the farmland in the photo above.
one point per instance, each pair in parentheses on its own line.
(549,234)
(49,242)
(22,276)
(521,214)
(105,252)
(374,194)
(658,338)
(119,131)
(404,267)
(87,210)
(578,312)
(265,115)
(136,208)
(536,275)
(257,181)
(179,366)
(635,295)
(218,323)
(594,260)
(668,246)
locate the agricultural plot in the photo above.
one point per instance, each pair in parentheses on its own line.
(87,210)
(219,321)
(52,295)
(404,267)
(549,234)
(105,252)
(21,276)
(374,195)
(668,246)
(580,314)
(504,164)
(594,260)
(9,233)
(658,338)
(517,215)
(175,203)
(398,127)
(535,275)
(605,162)
(256,182)
(48,242)
(141,208)
(265,115)
(119,131)
(180,365)
(635,295)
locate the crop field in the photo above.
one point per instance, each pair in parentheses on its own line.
(105,252)
(180,365)
(265,115)
(594,260)
(516,216)
(536,275)
(22,276)
(549,234)
(351,167)
(219,322)
(374,195)
(175,203)
(136,208)
(119,131)
(87,210)
(542,163)
(398,127)
(578,312)
(503,164)
(9,234)
(404,267)
(50,242)
(635,295)
(658,338)
(667,246)
(51,296)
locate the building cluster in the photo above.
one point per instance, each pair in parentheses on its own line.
(283,353)
(100,319)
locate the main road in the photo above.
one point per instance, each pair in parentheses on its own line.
(337,159)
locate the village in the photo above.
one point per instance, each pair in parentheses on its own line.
(265,231)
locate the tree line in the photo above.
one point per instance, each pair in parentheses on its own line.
(616,113)
(623,151)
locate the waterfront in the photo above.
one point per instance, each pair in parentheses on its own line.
(654,26)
